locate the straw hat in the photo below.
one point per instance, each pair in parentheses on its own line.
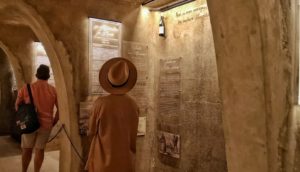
(118,76)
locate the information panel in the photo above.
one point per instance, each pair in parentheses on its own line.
(104,44)
(137,53)
(40,57)
(169,110)
(170,86)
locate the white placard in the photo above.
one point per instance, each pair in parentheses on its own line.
(142,126)
(104,44)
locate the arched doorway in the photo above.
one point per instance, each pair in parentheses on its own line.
(62,71)
(10,138)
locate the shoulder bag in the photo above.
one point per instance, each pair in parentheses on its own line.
(27,120)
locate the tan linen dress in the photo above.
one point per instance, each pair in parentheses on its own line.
(113,125)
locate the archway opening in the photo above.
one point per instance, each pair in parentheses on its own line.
(58,57)
(10,137)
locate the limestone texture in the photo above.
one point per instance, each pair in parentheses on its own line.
(6,98)
(237,76)
(255,74)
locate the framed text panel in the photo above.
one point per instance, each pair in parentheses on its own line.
(104,44)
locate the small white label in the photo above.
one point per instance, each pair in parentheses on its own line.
(142,126)
(161,30)
(23,126)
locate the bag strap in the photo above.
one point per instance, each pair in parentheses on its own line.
(30,94)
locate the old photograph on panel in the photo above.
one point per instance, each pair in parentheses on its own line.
(169,144)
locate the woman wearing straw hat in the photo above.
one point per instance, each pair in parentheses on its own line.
(114,120)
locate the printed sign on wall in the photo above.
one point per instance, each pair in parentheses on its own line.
(137,53)
(104,44)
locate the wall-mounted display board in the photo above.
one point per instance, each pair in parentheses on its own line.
(137,53)
(40,57)
(104,44)
(169,111)
(170,87)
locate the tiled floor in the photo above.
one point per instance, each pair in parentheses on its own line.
(10,158)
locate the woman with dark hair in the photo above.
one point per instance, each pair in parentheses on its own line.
(44,98)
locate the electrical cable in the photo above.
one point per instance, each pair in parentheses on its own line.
(69,138)
(50,140)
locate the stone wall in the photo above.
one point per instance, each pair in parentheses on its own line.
(198,121)
(19,40)
(255,71)
(6,95)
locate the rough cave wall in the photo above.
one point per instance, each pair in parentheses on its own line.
(68,21)
(296,161)
(138,29)
(297,158)
(19,40)
(6,98)
(254,67)
(199,121)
